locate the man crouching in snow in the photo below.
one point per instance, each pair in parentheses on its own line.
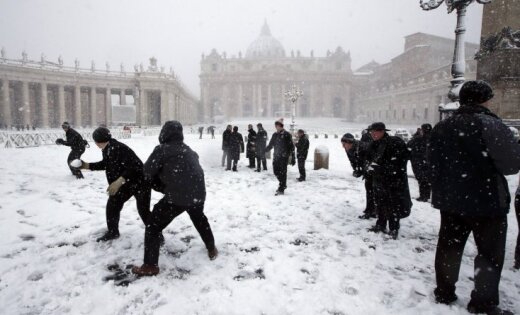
(175,171)
(124,171)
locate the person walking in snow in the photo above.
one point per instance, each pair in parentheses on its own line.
(124,173)
(357,154)
(251,145)
(283,146)
(261,142)
(386,163)
(418,147)
(470,152)
(225,144)
(77,147)
(236,147)
(175,170)
(302,150)
(201,131)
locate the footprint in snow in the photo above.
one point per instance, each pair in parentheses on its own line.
(26,237)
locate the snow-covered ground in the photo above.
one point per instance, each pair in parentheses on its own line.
(302,253)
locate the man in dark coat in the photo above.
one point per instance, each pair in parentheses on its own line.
(225,143)
(77,147)
(251,146)
(418,147)
(174,168)
(236,146)
(261,142)
(283,146)
(201,131)
(470,152)
(211,130)
(357,154)
(386,163)
(365,136)
(124,172)
(302,150)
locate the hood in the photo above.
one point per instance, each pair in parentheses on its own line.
(171,132)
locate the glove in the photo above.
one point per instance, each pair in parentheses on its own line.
(60,141)
(357,173)
(84,165)
(115,186)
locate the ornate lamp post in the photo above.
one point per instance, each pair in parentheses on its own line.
(292,95)
(458,66)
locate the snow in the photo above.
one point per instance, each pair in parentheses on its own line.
(76,163)
(302,253)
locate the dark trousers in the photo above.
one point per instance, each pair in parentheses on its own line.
(301,167)
(163,214)
(229,160)
(225,153)
(115,204)
(280,171)
(425,189)
(252,162)
(262,161)
(490,238)
(517,250)
(74,155)
(393,221)
(370,208)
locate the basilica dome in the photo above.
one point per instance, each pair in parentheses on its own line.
(265,46)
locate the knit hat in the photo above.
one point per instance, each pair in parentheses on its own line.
(171,131)
(65,125)
(475,93)
(101,134)
(348,137)
(379,126)
(279,122)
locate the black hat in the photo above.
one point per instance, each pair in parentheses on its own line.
(426,127)
(301,131)
(475,93)
(259,125)
(348,137)
(65,125)
(279,122)
(101,134)
(378,126)
(171,131)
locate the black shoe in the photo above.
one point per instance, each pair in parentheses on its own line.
(393,234)
(377,229)
(79,176)
(265,169)
(365,216)
(258,170)
(494,310)
(228,169)
(422,199)
(278,192)
(301,179)
(108,236)
(213,253)
(444,298)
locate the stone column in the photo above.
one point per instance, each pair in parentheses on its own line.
(45,105)
(61,103)
(224,101)
(260,103)
(269,101)
(122,97)
(25,104)
(240,101)
(8,120)
(164,106)
(108,107)
(77,105)
(142,114)
(93,107)
(283,100)
(253,101)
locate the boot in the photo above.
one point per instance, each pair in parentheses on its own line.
(377,229)
(365,216)
(145,270)
(301,179)
(279,192)
(109,235)
(213,253)
(393,234)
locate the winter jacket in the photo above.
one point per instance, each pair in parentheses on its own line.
(119,160)
(225,139)
(386,163)
(357,155)
(261,142)
(251,144)
(418,148)
(470,152)
(282,144)
(236,145)
(74,140)
(176,166)
(302,147)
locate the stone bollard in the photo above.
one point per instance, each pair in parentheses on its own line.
(326,136)
(335,136)
(321,158)
(315,136)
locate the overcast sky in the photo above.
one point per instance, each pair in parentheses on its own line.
(178,32)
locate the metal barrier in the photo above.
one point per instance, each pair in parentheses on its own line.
(36,138)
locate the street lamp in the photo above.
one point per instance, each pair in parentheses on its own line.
(458,66)
(292,95)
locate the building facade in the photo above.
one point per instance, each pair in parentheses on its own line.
(43,94)
(253,85)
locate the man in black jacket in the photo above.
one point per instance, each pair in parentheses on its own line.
(261,142)
(283,146)
(124,172)
(77,147)
(357,154)
(251,146)
(386,163)
(470,152)
(225,144)
(175,169)
(302,150)
(235,147)
(418,147)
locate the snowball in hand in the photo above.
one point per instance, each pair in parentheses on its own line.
(76,163)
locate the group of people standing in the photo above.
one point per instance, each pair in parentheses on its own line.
(461,164)
(257,148)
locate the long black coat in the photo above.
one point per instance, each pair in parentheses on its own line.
(176,167)
(302,148)
(387,159)
(470,152)
(357,155)
(225,139)
(251,144)
(261,143)
(418,147)
(119,160)
(74,140)
(236,145)
(282,144)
